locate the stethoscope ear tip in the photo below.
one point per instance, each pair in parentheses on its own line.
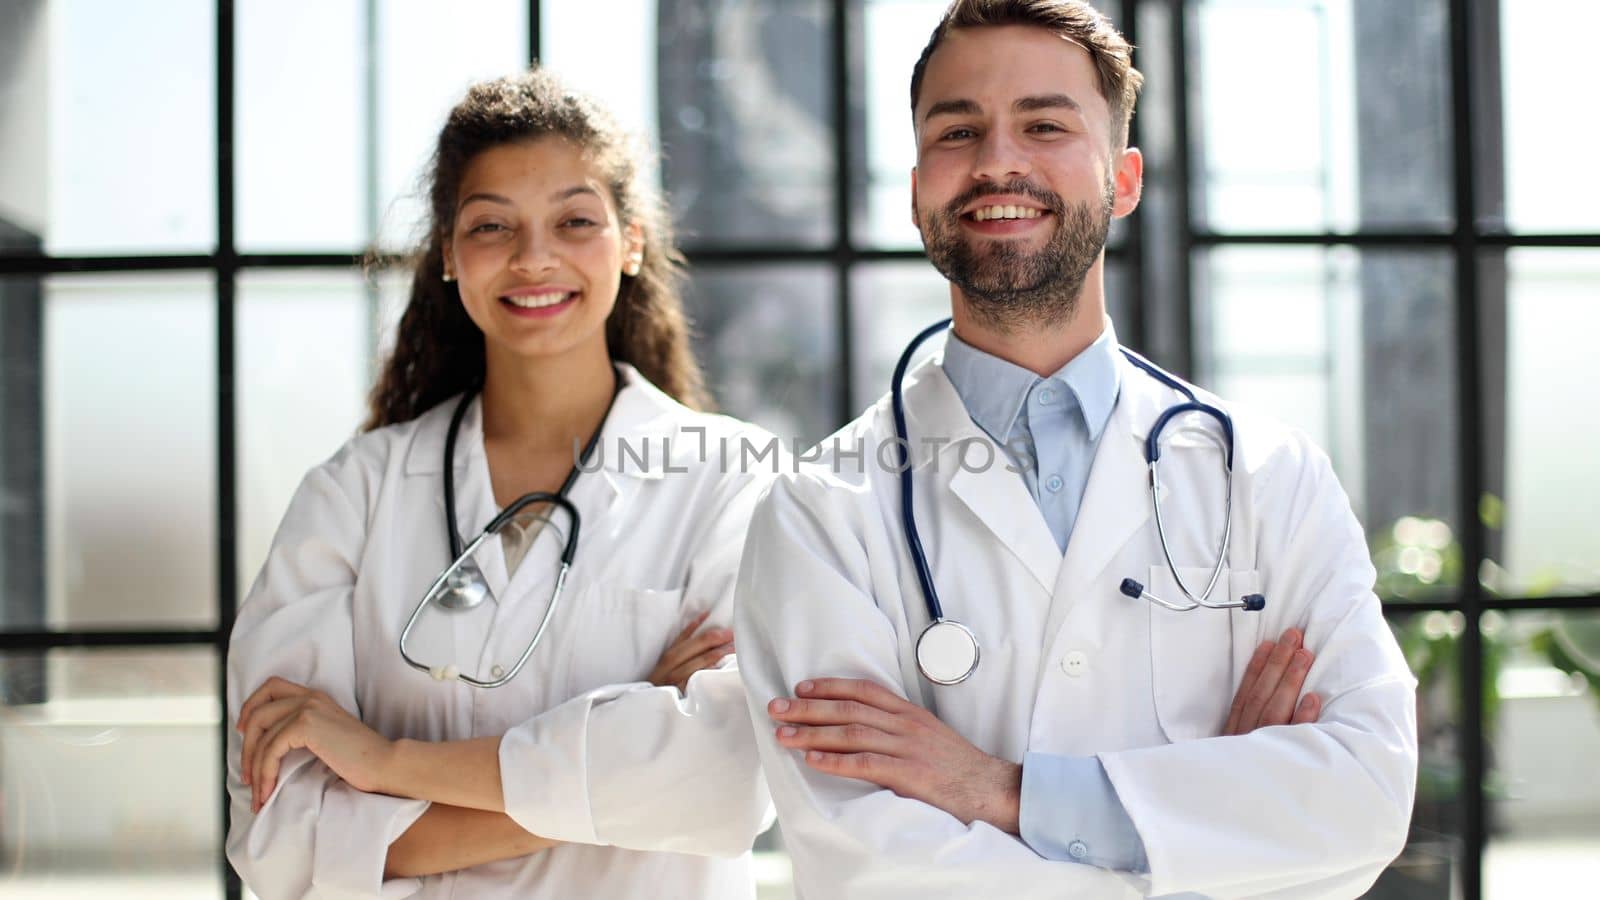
(1132,588)
(1254,602)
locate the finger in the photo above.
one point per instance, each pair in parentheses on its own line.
(1252,674)
(1307,712)
(680,675)
(682,651)
(833,712)
(859,690)
(289,735)
(1271,674)
(689,628)
(853,738)
(1280,706)
(261,720)
(274,688)
(874,767)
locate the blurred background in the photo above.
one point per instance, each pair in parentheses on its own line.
(1376,219)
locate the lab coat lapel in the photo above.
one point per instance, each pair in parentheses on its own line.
(1116,499)
(603,488)
(595,494)
(475,507)
(995,494)
(1000,500)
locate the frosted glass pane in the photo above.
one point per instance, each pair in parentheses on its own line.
(130,451)
(1357,350)
(1552,482)
(305,367)
(110,768)
(889,304)
(768,338)
(302,125)
(1347,123)
(428,55)
(1542,732)
(1547,46)
(107,127)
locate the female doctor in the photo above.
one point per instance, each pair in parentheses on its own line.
(619,760)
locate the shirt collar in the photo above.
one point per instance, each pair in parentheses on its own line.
(995,391)
(992,389)
(1094,378)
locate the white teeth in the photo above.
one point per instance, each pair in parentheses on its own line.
(538,301)
(985,213)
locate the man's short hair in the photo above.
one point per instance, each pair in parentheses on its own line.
(1073,20)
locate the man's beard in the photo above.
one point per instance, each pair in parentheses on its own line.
(1006,287)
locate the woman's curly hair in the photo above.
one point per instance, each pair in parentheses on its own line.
(438,351)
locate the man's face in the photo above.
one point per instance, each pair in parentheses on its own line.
(1016,183)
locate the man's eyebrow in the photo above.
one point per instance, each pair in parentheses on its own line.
(1046,101)
(953,108)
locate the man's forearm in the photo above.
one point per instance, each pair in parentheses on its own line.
(447,838)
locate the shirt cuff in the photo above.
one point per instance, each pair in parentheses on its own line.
(1071,813)
(354,832)
(544,772)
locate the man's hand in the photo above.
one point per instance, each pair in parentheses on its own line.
(857,729)
(1271,685)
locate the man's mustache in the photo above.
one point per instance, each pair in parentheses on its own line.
(1048,199)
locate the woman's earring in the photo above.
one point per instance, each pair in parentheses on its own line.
(632,266)
(448,277)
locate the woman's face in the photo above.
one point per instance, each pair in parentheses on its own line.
(538,249)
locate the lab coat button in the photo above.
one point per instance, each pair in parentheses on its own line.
(498,672)
(1078,850)
(1075,663)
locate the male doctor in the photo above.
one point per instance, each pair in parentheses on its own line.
(1093,752)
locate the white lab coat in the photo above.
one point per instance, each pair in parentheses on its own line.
(1071,666)
(592,754)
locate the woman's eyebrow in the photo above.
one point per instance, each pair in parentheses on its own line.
(573,191)
(480,195)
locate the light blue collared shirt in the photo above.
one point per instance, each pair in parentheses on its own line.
(1051,428)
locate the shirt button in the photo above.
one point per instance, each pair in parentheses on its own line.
(1054,484)
(1078,849)
(1075,664)
(498,672)
(1047,397)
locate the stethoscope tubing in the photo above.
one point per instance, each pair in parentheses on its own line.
(460,555)
(1152,453)
(919,557)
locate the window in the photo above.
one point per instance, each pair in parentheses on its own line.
(1349,221)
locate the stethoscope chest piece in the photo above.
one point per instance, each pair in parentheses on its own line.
(463,589)
(947,652)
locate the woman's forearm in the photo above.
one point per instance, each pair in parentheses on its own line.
(447,838)
(458,773)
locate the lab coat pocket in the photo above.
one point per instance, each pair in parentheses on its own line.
(619,633)
(1191,653)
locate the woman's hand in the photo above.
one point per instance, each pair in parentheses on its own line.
(1271,686)
(282,716)
(691,652)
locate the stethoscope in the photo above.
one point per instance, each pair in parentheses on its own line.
(947,651)
(462,586)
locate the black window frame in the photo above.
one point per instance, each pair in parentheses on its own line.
(1473,59)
